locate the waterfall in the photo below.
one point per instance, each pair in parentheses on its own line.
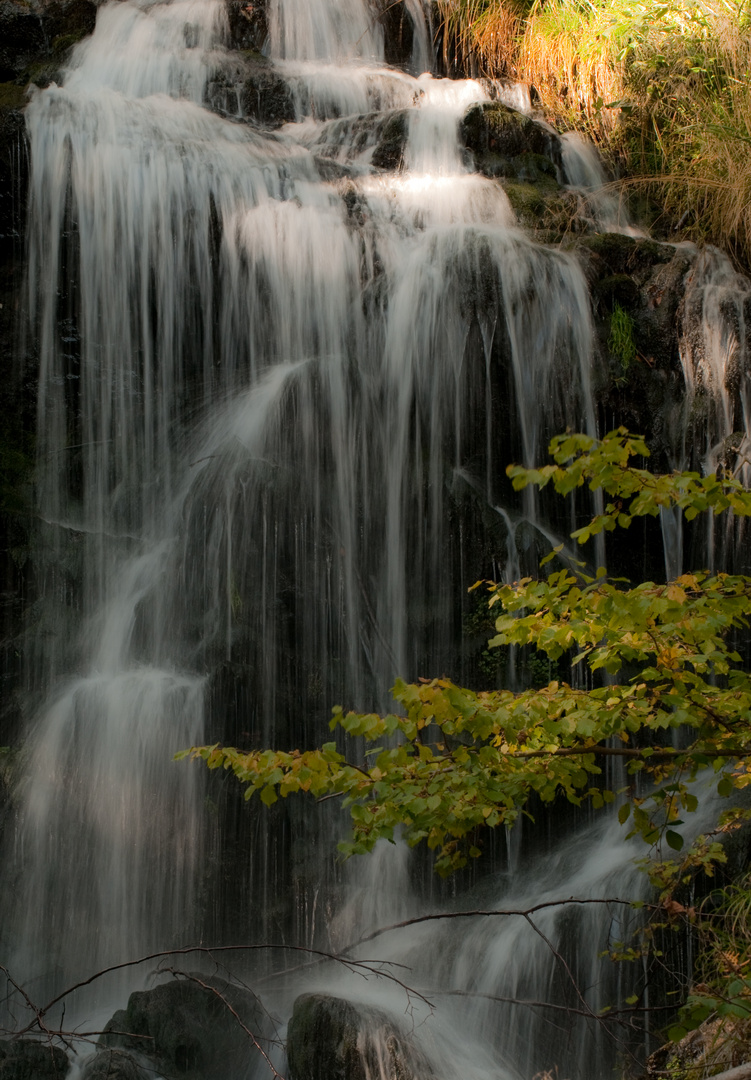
(278,386)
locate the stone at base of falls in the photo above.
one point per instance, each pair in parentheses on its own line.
(198,1027)
(507,143)
(332,1039)
(31,1060)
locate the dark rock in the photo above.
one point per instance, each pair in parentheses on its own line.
(198,1027)
(247,25)
(504,142)
(29,1060)
(332,1039)
(13,162)
(35,34)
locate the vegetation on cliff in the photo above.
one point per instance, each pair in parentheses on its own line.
(661,87)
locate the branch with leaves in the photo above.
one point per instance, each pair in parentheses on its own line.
(451,762)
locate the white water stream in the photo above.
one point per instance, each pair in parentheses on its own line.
(274,411)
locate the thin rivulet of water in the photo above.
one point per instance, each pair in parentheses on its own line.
(274,411)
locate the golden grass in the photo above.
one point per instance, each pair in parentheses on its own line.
(484,34)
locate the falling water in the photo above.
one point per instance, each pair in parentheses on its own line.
(278,383)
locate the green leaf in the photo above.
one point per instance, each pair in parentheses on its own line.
(725,787)
(674,839)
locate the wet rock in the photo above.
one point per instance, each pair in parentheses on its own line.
(252,89)
(504,142)
(332,1039)
(29,1060)
(265,96)
(389,153)
(197,1028)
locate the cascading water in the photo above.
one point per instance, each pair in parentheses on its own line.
(278,384)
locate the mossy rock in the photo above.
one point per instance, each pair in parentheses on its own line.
(546,209)
(332,1039)
(622,254)
(505,142)
(36,33)
(617,289)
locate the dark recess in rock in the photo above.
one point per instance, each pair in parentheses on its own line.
(398,33)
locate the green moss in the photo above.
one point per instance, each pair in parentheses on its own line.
(616,289)
(42,73)
(64,42)
(527,201)
(12,96)
(621,341)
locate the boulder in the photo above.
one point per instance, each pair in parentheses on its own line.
(27,1059)
(332,1039)
(198,1028)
